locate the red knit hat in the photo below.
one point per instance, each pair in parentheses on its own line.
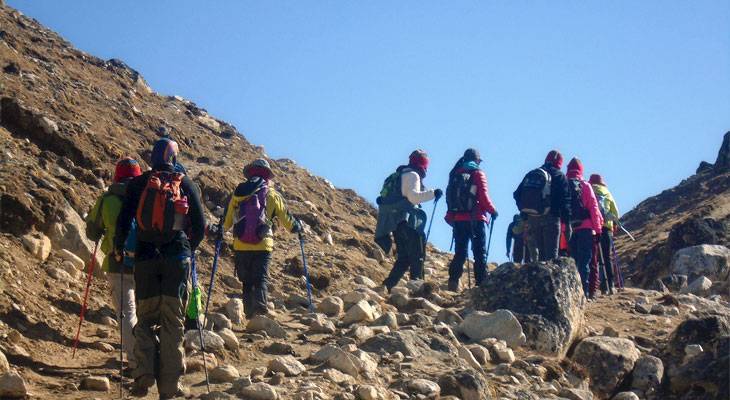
(258,167)
(596,180)
(555,158)
(575,165)
(126,168)
(418,159)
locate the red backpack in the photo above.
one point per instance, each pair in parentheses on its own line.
(162,208)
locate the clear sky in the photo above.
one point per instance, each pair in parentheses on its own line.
(640,90)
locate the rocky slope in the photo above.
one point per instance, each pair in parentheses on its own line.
(66,116)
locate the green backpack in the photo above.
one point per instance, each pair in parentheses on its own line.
(391,186)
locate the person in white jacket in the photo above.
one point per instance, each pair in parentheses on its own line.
(408,234)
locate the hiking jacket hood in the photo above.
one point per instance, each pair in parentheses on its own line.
(483,204)
(588,198)
(275,209)
(611,209)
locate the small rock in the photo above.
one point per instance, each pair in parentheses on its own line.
(279,348)
(361,311)
(337,377)
(424,387)
(212,341)
(12,385)
(576,394)
(699,287)
(609,331)
(72,258)
(648,373)
(331,306)
(224,374)
(4,364)
(218,321)
(480,353)
(277,379)
(657,309)
(105,347)
(97,383)
(502,353)
(399,300)
(320,324)
(467,356)
(194,362)
(230,341)
(61,275)
(642,307)
(48,125)
(367,392)
(449,317)
(501,324)
(365,281)
(361,333)
(234,311)
(354,297)
(626,396)
(388,319)
(266,324)
(109,321)
(288,365)
(259,391)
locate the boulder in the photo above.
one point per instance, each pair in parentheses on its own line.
(224,374)
(96,383)
(480,353)
(546,298)
(218,321)
(288,365)
(321,324)
(12,385)
(331,306)
(388,319)
(465,385)
(70,234)
(324,353)
(712,261)
(37,244)
(4,364)
(409,343)
(365,281)
(500,324)
(367,392)
(212,341)
(234,311)
(258,391)
(699,287)
(648,373)
(362,311)
(266,324)
(608,361)
(468,357)
(424,387)
(75,260)
(626,396)
(230,341)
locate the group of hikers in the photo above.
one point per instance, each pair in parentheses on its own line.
(560,215)
(150,224)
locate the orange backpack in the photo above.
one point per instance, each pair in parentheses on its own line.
(162,208)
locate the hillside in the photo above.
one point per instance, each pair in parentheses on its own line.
(67,116)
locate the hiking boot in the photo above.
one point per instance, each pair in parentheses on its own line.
(141,385)
(182,392)
(453,286)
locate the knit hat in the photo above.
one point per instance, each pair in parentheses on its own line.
(164,152)
(596,180)
(575,165)
(258,167)
(418,159)
(472,154)
(126,168)
(555,158)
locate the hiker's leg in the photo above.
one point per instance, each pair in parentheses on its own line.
(550,237)
(172,328)
(534,237)
(416,253)
(260,275)
(128,309)
(148,295)
(580,250)
(479,249)
(402,261)
(606,247)
(518,250)
(243,272)
(595,277)
(461,251)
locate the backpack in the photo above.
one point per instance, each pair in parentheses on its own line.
(250,225)
(605,207)
(95,223)
(162,207)
(461,192)
(535,197)
(578,211)
(391,186)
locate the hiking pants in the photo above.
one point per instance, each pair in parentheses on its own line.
(128,309)
(594,280)
(606,253)
(409,245)
(476,233)
(543,237)
(252,269)
(581,249)
(161,286)
(519,251)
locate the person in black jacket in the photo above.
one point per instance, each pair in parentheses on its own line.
(543,240)
(162,260)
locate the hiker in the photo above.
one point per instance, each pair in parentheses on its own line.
(586,222)
(102,221)
(166,205)
(251,213)
(467,198)
(400,213)
(516,231)
(543,198)
(610,214)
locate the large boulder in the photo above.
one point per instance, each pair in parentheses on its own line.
(608,361)
(70,233)
(12,385)
(546,298)
(407,342)
(500,324)
(710,260)
(648,373)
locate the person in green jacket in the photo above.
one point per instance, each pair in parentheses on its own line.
(608,208)
(102,222)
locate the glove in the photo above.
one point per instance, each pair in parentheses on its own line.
(495,214)
(438,193)
(296,227)
(597,238)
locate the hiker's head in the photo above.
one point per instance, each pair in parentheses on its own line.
(126,168)
(472,155)
(597,179)
(258,167)
(555,159)
(575,165)
(162,131)
(164,152)
(418,160)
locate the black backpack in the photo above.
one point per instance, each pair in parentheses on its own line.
(578,211)
(534,198)
(461,192)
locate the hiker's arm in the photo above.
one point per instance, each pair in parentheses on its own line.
(282,214)
(589,199)
(230,213)
(409,188)
(613,208)
(195,212)
(485,203)
(509,236)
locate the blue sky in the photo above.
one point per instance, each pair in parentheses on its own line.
(640,91)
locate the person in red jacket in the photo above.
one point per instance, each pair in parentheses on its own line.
(468,201)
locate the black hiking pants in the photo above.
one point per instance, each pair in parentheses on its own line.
(252,269)
(519,251)
(606,253)
(409,246)
(476,233)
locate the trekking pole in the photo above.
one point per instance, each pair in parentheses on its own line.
(430,223)
(489,242)
(451,246)
(218,242)
(121,331)
(306,273)
(86,297)
(626,231)
(619,278)
(194,278)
